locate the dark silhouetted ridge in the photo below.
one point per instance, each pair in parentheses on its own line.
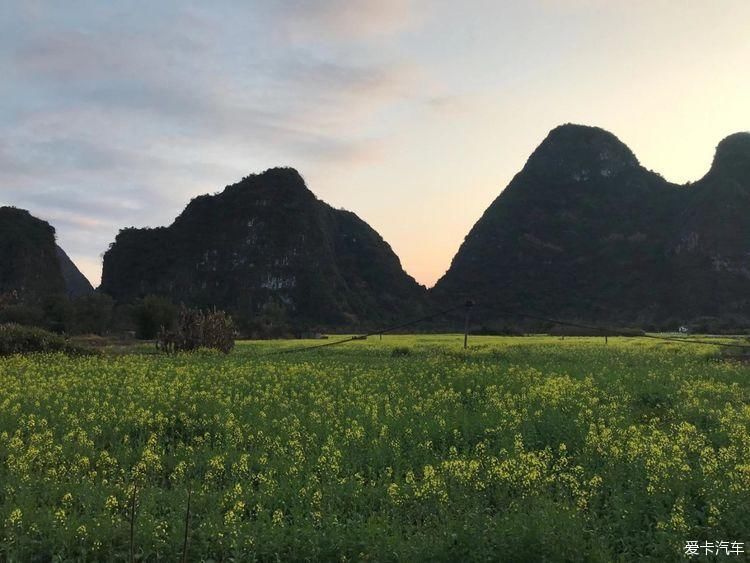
(31,264)
(578,152)
(584,232)
(266,244)
(732,158)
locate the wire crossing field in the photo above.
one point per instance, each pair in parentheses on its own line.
(407,448)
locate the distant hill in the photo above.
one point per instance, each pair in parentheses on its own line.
(31,264)
(266,246)
(583,231)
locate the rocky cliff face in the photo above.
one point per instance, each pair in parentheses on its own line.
(266,241)
(31,264)
(709,245)
(28,256)
(585,232)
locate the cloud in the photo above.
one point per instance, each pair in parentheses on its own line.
(293,88)
(78,221)
(345,18)
(115,116)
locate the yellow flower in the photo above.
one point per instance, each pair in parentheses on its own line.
(15,518)
(60,516)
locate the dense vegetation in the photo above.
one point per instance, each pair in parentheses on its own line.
(270,253)
(408,448)
(17,339)
(584,232)
(31,263)
(39,285)
(28,256)
(93,313)
(195,329)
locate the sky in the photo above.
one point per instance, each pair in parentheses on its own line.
(414,114)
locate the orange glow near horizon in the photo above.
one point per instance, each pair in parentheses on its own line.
(413,114)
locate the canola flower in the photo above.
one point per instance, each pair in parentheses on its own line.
(536,447)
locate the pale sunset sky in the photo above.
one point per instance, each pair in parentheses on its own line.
(413,114)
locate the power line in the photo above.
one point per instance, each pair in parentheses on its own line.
(603,329)
(615,331)
(364,336)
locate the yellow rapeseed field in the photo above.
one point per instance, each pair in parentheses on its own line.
(409,448)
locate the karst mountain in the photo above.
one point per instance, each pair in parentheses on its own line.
(266,245)
(32,266)
(585,232)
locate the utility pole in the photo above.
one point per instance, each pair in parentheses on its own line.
(467,306)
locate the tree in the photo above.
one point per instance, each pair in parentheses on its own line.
(151,314)
(93,313)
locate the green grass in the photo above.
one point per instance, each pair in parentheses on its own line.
(518,449)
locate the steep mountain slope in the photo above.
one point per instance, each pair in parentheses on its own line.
(76,284)
(266,241)
(31,264)
(28,256)
(709,251)
(585,232)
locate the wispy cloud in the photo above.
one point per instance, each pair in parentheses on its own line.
(116,116)
(116,113)
(345,19)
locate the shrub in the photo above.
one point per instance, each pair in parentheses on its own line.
(20,314)
(399,351)
(196,329)
(497,329)
(562,330)
(272,321)
(17,339)
(58,313)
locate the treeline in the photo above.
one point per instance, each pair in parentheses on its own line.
(45,327)
(98,314)
(88,314)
